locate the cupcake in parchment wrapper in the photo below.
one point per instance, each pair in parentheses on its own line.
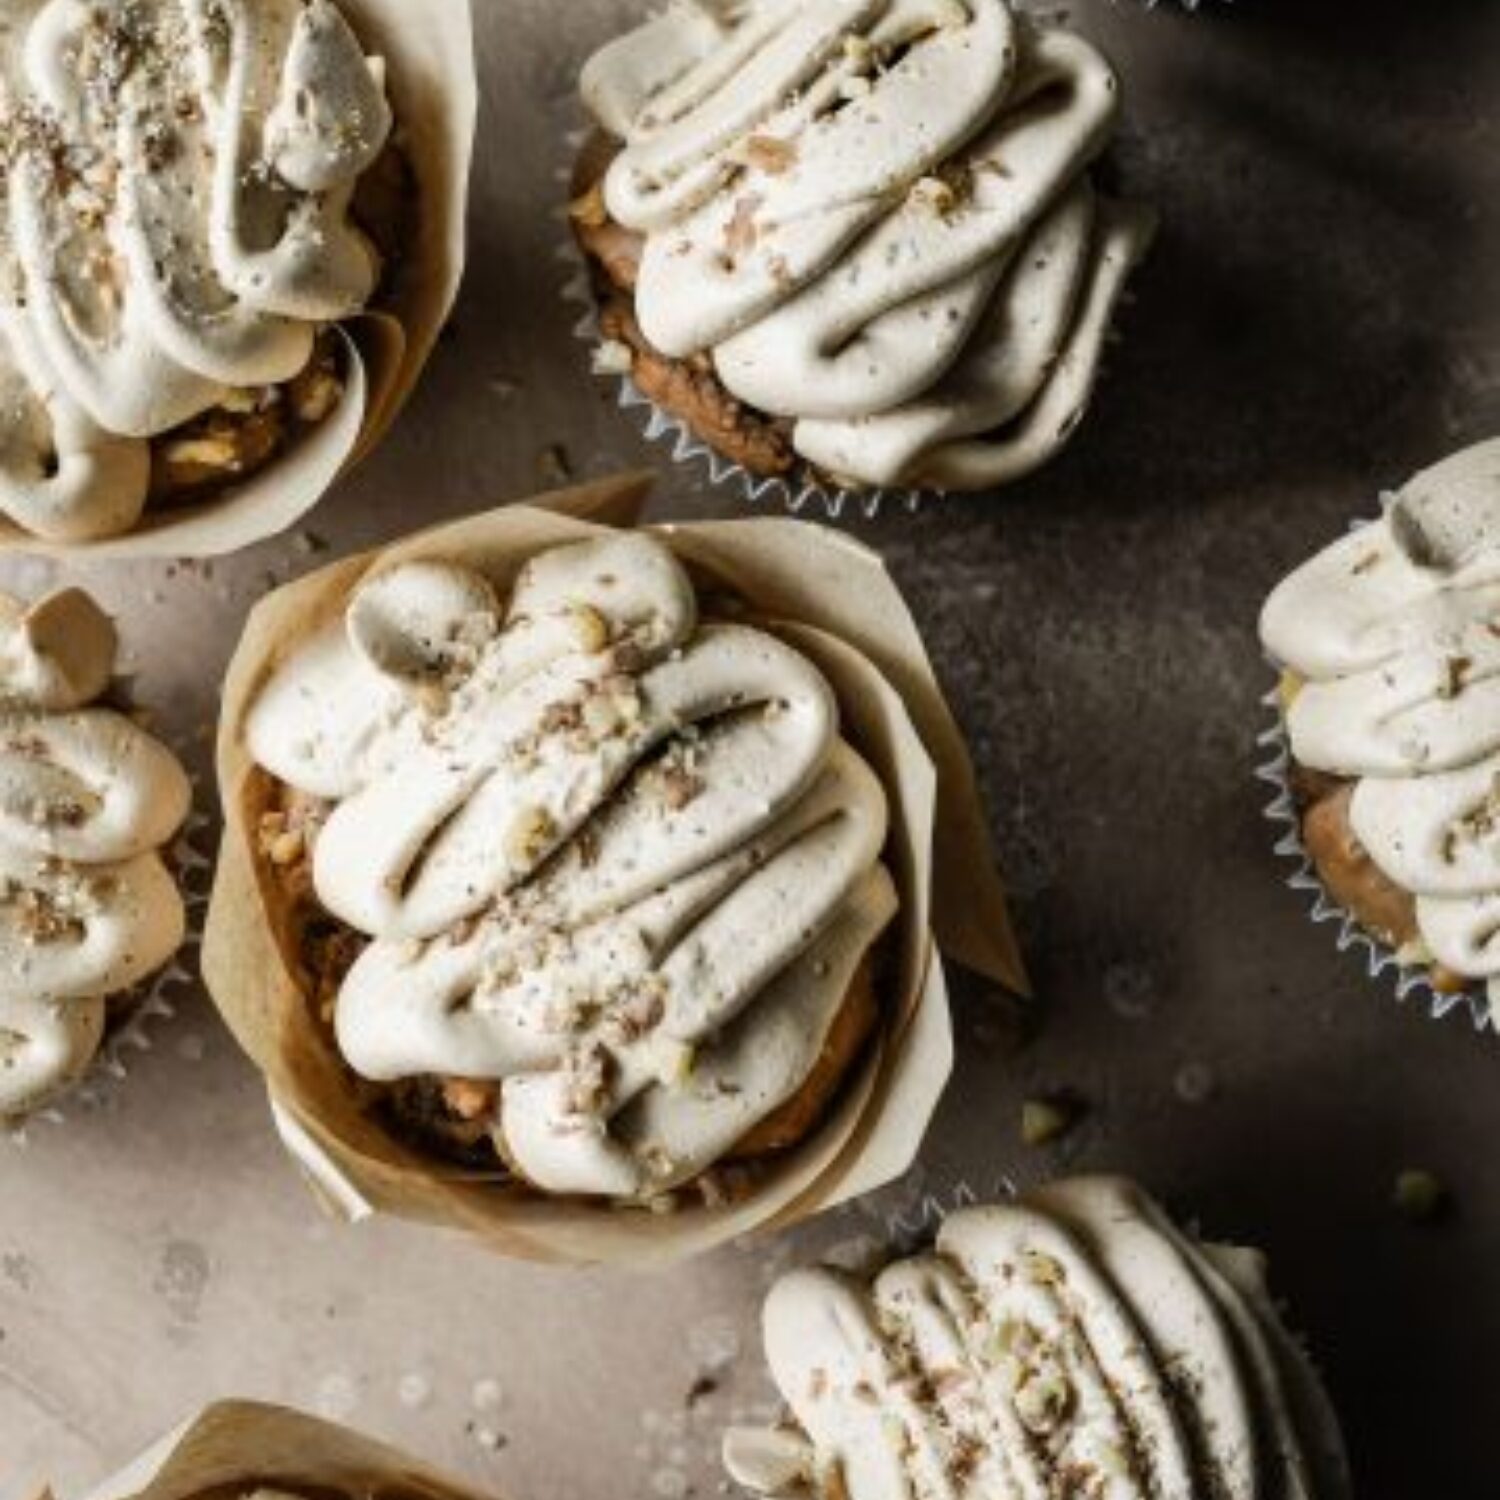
(851,255)
(186,388)
(1069,1339)
(1385,755)
(101,885)
(835,602)
(236,1450)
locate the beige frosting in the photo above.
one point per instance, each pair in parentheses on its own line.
(1392,628)
(618,860)
(876,216)
(1072,1342)
(87,799)
(174,225)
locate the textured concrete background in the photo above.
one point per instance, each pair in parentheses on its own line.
(1321,317)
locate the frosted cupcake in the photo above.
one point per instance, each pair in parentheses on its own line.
(88,802)
(199,199)
(856,243)
(1391,664)
(1072,1343)
(577,891)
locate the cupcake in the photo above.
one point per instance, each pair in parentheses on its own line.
(1390,663)
(856,245)
(89,802)
(229,239)
(244,1450)
(599,891)
(1074,1342)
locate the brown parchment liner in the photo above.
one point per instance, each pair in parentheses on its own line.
(244,1444)
(429,49)
(834,599)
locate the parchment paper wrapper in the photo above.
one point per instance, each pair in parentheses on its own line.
(429,49)
(796,494)
(835,600)
(242,1443)
(1412,981)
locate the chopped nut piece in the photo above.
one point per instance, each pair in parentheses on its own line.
(1420,1196)
(770,154)
(530,834)
(1046,1120)
(590,628)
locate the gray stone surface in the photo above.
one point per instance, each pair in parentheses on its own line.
(1321,316)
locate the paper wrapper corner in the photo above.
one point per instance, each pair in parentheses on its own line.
(247,1443)
(429,50)
(836,602)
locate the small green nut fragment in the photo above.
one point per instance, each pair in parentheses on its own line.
(1419,1196)
(1046,1120)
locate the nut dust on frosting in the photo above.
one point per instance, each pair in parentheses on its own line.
(1074,1342)
(876,217)
(88,908)
(174,232)
(614,860)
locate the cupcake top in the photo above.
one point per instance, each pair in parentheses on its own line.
(609,856)
(87,800)
(876,216)
(174,229)
(1073,1342)
(1390,634)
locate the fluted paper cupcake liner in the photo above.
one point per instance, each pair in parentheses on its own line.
(800,495)
(151,1006)
(1412,981)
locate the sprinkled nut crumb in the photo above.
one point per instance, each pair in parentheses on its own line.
(1044,1121)
(1420,1196)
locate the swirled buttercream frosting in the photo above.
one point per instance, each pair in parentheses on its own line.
(874,218)
(88,908)
(1072,1343)
(1392,637)
(616,867)
(175,229)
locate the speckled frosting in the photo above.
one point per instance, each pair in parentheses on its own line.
(1073,1343)
(876,216)
(1391,635)
(617,859)
(174,229)
(87,800)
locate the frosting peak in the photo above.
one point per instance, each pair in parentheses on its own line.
(611,859)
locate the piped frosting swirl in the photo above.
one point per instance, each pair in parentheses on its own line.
(876,216)
(175,227)
(87,800)
(1394,633)
(1074,1342)
(617,860)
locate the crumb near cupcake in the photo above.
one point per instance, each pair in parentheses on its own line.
(925,312)
(494,1030)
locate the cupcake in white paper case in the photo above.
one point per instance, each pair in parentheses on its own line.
(90,802)
(230,231)
(854,245)
(1071,1342)
(1389,645)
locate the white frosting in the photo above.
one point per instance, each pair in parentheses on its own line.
(177,219)
(1392,629)
(1072,1342)
(782,164)
(614,859)
(87,799)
